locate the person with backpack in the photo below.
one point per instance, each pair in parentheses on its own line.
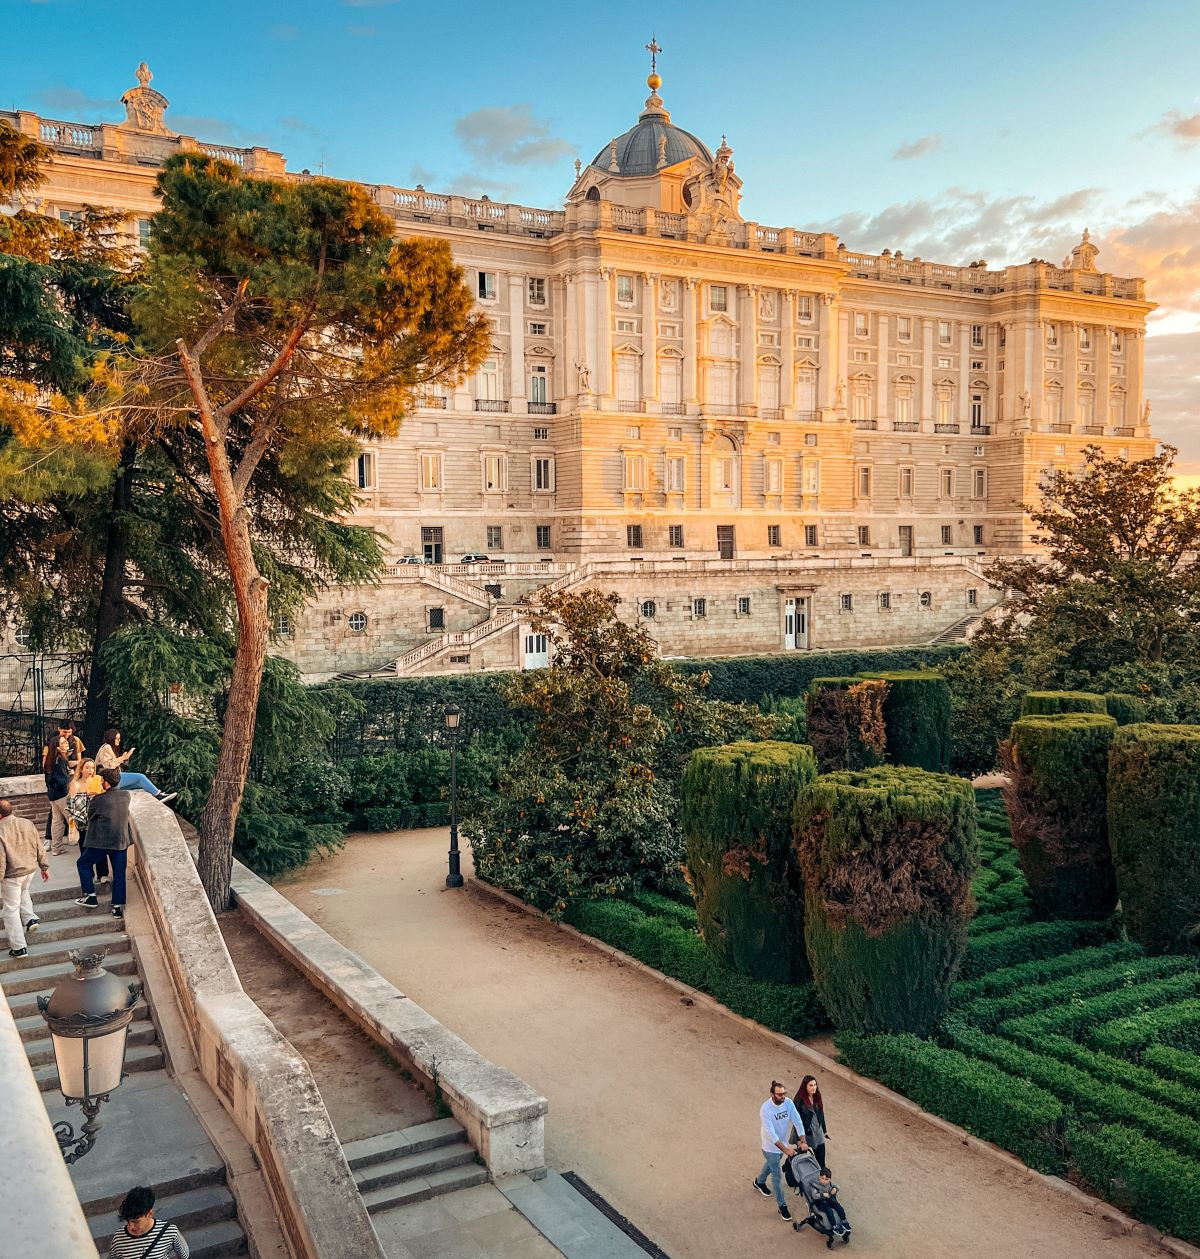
(141,1235)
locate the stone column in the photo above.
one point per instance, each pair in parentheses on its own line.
(1135,346)
(1101,379)
(827,343)
(564,326)
(587,286)
(964,376)
(604,355)
(881,368)
(516,342)
(842,383)
(927,361)
(649,337)
(689,341)
(1070,374)
(787,352)
(748,344)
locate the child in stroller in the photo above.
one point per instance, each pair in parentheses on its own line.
(825,1213)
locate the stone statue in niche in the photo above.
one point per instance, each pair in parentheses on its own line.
(668,295)
(1024,404)
(1146,412)
(766,304)
(585,377)
(839,400)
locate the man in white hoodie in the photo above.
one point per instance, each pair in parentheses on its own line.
(777,1117)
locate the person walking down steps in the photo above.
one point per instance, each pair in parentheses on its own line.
(110,831)
(21,856)
(777,1116)
(141,1236)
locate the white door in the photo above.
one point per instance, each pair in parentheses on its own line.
(802,624)
(537,651)
(789,625)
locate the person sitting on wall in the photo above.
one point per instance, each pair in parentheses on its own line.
(110,756)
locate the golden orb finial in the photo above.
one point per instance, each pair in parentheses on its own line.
(654,82)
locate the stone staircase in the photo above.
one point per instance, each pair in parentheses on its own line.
(196,1197)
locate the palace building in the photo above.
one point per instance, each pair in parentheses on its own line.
(763,440)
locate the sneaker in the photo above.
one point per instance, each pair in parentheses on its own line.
(88,902)
(17,952)
(32,925)
(118,911)
(766,1193)
(165,797)
(785,1214)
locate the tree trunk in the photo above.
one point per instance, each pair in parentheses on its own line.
(110,615)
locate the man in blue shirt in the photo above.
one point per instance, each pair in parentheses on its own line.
(777,1117)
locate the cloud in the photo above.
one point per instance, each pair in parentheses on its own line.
(1173,386)
(291,123)
(422,175)
(918,148)
(1184,130)
(284,31)
(74,104)
(215,130)
(509,135)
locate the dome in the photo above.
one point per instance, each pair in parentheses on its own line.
(641,151)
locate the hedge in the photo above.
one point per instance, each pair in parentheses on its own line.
(1154,830)
(736,811)
(1173,1064)
(1091,1012)
(1140,1176)
(680,953)
(886,856)
(1056,798)
(975,1095)
(1050,703)
(1027,942)
(1175,1025)
(1126,710)
(917,715)
(844,722)
(656,903)
(1041,970)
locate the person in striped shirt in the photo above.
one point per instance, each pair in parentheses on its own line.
(144,1237)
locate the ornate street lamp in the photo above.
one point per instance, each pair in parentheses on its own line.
(453,716)
(88,1016)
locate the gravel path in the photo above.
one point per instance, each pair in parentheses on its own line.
(654,1102)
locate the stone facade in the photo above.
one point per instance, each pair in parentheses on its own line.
(673,385)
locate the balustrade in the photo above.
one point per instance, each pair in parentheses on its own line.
(492,404)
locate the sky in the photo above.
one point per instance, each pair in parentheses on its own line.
(951,131)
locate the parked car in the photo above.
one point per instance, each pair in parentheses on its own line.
(412,559)
(475,558)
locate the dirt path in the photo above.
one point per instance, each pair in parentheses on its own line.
(655,1102)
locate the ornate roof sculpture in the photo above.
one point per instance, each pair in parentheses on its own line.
(144,107)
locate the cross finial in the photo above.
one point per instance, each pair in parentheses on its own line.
(653,48)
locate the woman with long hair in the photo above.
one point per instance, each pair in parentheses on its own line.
(812,1110)
(56,768)
(82,788)
(110,756)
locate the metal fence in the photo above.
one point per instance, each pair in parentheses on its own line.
(36,688)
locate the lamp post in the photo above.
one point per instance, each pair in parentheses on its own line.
(88,1016)
(453,716)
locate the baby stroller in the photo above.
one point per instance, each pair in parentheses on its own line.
(802,1172)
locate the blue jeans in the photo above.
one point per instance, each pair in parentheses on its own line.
(87,862)
(137,782)
(774,1167)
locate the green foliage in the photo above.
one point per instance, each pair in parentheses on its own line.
(1176,1026)
(844,722)
(1050,703)
(1140,1176)
(1082,1016)
(667,946)
(791,714)
(1154,830)
(977,1096)
(1056,795)
(1173,1064)
(1008,979)
(1028,942)
(737,803)
(917,715)
(1126,710)
(985,699)
(886,857)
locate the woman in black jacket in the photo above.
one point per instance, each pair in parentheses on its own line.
(812,1110)
(56,767)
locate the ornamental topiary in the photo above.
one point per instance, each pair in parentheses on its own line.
(1047,703)
(1154,832)
(1125,709)
(916,714)
(737,803)
(886,856)
(1056,799)
(844,722)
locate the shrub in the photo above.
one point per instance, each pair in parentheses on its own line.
(1154,830)
(1050,703)
(1024,943)
(1082,1016)
(736,807)
(1177,1026)
(916,714)
(1125,710)
(791,715)
(655,903)
(1140,1176)
(1056,797)
(998,982)
(886,856)
(1173,1064)
(973,1094)
(659,942)
(844,721)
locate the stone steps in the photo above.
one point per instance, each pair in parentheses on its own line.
(101,938)
(21,985)
(137,1058)
(425,1161)
(32,1026)
(40,1051)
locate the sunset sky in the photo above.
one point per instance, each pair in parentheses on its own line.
(940,129)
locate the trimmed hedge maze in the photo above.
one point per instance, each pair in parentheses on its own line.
(1073,1049)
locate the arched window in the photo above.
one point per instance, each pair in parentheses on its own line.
(649,610)
(357,622)
(724,471)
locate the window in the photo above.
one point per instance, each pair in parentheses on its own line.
(72,218)
(495,473)
(718,297)
(773,476)
(1003,338)
(283,626)
(437,618)
(977,411)
(144,233)
(537,291)
(537,329)
(675,474)
(947,537)
(977,365)
(812,476)
(674,434)
(1116,341)
(862,324)
(904,404)
(495,537)
(978,450)
(675,535)
(864,535)
(364,469)
(860,403)
(977,534)
(972,598)
(810,439)
(743,605)
(542,536)
(633,432)
(626,325)
(977,335)
(431,472)
(885,601)
(847,603)
(944,362)
(926,599)
(1060,449)
(773,535)
(1052,334)
(947,482)
(649,609)
(1085,338)
(543,474)
(804,309)
(810,535)
(979,483)
(541,434)
(906,482)
(633,535)
(487,383)
(635,473)
(864,482)
(774,439)
(625,290)
(539,387)
(700,608)
(357,621)
(487,286)
(903,328)
(945,332)
(1054,406)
